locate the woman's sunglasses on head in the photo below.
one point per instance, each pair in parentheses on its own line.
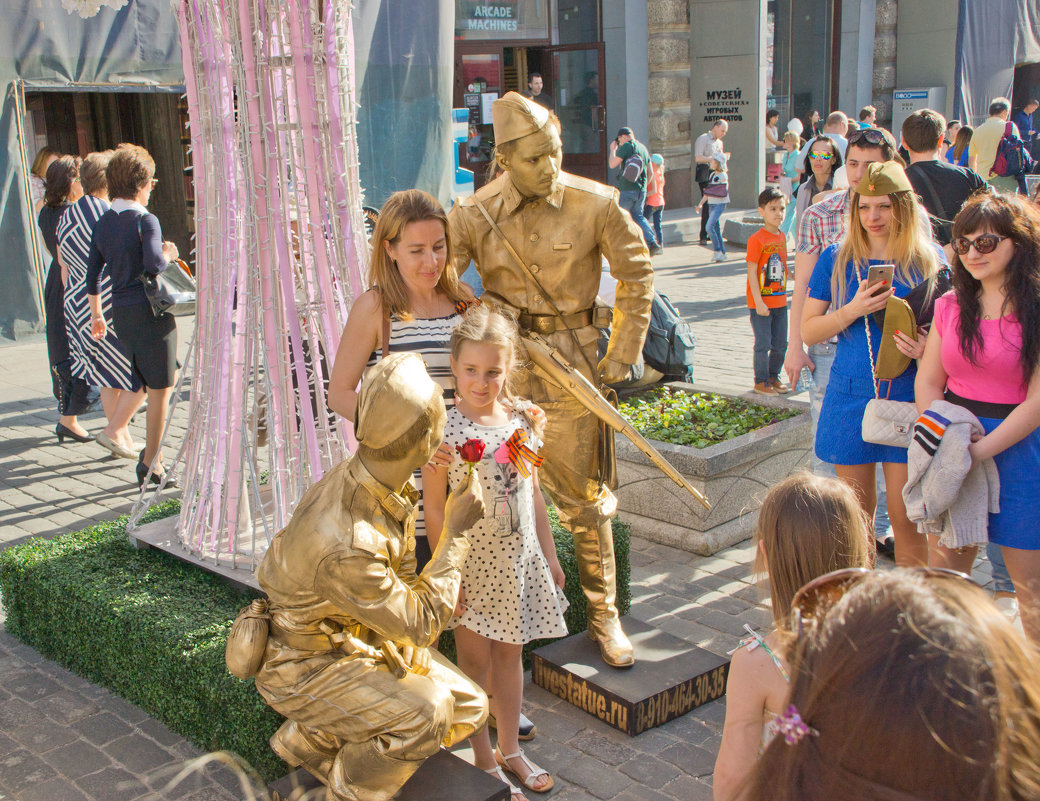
(984,244)
(814,599)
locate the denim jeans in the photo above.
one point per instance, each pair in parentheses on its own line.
(1001,579)
(653,214)
(770,343)
(633,203)
(715,211)
(822,356)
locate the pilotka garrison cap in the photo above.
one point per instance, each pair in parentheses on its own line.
(395,392)
(884,178)
(514,116)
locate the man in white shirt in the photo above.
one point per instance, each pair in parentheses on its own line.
(707,144)
(982,151)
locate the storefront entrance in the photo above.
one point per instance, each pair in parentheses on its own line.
(572,76)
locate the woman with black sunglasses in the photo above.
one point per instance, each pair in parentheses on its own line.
(982,354)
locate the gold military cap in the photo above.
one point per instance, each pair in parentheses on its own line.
(884,178)
(395,392)
(891,361)
(514,116)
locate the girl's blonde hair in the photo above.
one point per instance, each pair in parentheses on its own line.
(808,526)
(400,210)
(486,326)
(909,245)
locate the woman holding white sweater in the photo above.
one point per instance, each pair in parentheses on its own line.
(982,354)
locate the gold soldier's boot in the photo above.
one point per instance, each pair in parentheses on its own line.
(594,549)
(303,747)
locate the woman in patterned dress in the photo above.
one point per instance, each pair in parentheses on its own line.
(414,304)
(101,363)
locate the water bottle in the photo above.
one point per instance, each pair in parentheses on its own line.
(804,380)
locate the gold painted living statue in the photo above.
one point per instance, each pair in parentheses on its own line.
(538,237)
(348,660)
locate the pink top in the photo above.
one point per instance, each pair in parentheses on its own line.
(998,377)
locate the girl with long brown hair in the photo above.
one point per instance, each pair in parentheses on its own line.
(886,227)
(808,526)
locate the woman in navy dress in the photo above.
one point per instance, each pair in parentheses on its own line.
(127,242)
(885,227)
(73,394)
(102,363)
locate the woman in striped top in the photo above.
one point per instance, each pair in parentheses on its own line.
(415,302)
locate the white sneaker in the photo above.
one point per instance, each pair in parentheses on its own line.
(1008,604)
(718,256)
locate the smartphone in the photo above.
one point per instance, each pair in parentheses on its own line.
(880,272)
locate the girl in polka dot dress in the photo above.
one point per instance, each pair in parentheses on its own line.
(509,590)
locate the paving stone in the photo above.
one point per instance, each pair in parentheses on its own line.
(67,706)
(31,685)
(17,713)
(77,759)
(594,777)
(112,784)
(687,788)
(57,789)
(138,753)
(641,794)
(158,732)
(601,748)
(691,759)
(21,769)
(122,709)
(43,736)
(649,772)
(7,745)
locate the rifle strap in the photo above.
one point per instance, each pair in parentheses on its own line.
(527,271)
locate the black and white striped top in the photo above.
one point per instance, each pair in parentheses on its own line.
(428,338)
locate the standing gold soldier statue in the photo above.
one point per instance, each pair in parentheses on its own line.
(561,226)
(347,659)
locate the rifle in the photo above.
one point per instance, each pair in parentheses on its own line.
(584,391)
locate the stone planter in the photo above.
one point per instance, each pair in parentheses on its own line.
(733,475)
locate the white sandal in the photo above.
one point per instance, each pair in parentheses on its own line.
(514,791)
(535,771)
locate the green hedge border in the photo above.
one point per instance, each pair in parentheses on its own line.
(152,628)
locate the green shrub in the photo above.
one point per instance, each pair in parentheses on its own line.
(699,419)
(152,628)
(146,625)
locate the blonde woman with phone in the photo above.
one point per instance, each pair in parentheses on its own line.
(888,250)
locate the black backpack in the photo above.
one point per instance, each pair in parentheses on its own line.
(633,168)
(1012,156)
(669,340)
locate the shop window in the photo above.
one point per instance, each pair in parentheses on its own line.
(799,45)
(577,21)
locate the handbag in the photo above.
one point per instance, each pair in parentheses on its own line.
(716,190)
(885,422)
(702,174)
(172,291)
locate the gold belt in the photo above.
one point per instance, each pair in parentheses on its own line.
(550,323)
(302,642)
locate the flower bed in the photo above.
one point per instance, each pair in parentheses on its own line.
(747,448)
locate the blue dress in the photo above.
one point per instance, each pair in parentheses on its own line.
(839,437)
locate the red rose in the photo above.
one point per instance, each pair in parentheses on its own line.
(471,451)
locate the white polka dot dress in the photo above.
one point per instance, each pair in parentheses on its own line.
(509,592)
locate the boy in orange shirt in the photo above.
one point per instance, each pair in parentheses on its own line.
(767,293)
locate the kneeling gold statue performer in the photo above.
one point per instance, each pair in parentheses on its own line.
(347,658)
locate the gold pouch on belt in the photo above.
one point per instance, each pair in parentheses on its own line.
(248,640)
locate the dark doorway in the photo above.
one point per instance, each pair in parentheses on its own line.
(83,122)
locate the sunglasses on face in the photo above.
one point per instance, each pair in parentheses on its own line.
(813,600)
(986,243)
(823,156)
(873,136)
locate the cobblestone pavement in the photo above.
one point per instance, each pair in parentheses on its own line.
(65,739)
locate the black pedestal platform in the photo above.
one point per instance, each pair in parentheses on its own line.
(442,777)
(670,677)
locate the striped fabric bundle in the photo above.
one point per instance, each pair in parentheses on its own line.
(521,455)
(928,431)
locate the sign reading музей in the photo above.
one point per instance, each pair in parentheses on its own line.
(501,19)
(670,678)
(723,103)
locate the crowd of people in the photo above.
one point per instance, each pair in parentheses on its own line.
(101,331)
(915,281)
